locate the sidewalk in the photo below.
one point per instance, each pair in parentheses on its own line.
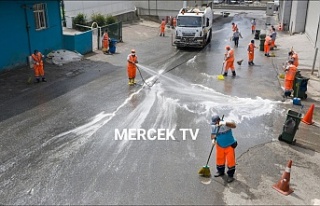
(262,166)
(305,50)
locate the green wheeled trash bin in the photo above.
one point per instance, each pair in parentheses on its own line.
(262,38)
(290,127)
(256,34)
(300,85)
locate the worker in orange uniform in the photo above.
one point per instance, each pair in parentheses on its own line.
(38,66)
(105,42)
(221,133)
(162,27)
(132,60)
(174,22)
(229,61)
(291,71)
(253,25)
(250,50)
(294,56)
(267,44)
(234,27)
(273,38)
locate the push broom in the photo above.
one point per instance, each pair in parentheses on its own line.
(220,76)
(205,170)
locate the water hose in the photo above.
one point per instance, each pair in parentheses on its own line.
(158,75)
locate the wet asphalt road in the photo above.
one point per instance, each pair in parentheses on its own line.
(59,145)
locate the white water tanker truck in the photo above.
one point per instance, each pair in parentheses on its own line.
(194,27)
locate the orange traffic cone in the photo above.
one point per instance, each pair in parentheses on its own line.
(308,117)
(283,185)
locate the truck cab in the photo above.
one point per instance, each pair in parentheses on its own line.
(194,27)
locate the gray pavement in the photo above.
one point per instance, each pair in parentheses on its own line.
(254,183)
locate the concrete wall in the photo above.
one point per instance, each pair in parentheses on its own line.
(114,8)
(81,43)
(285,14)
(298,16)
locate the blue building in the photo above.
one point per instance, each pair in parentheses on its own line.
(26,26)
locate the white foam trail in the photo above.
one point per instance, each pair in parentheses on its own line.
(191,61)
(169,96)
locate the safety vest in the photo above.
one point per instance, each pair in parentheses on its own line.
(37,58)
(106,37)
(251,47)
(130,59)
(234,27)
(291,72)
(163,24)
(230,55)
(267,40)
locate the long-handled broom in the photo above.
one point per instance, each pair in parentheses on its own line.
(205,170)
(220,76)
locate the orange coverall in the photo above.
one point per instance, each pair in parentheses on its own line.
(289,77)
(250,52)
(229,61)
(105,41)
(174,22)
(38,65)
(253,28)
(234,27)
(162,27)
(131,67)
(267,43)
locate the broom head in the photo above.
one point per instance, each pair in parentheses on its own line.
(205,171)
(220,77)
(281,76)
(240,62)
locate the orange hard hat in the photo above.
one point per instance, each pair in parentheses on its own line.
(227,47)
(133,51)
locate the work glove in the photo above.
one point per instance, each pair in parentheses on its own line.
(222,123)
(214,141)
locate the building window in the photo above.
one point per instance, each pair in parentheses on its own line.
(39,11)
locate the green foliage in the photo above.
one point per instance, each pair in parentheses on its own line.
(111,19)
(99,19)
(80,19)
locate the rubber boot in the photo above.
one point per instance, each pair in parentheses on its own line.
(234,73)
(134,81)
(37,80)
(225,74)
(130,81)
(44,79)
